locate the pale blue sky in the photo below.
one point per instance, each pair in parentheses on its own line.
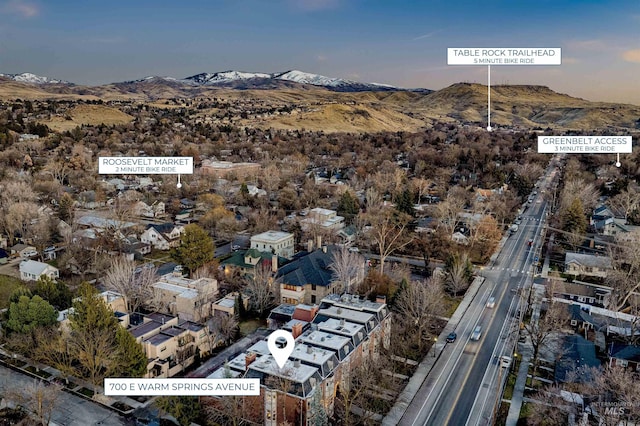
(395,42)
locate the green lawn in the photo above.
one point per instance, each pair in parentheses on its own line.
(508,390)
(451,304)
(7,286)
(249,326)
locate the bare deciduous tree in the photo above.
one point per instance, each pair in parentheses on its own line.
(543,330)
(133,282)
(40,398)
(347,266)
(447,212)
(263,289)
(387,232)
(457,273)
(419,304)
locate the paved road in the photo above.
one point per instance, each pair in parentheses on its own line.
(463,385)
(69,410)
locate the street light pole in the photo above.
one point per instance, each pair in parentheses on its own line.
(435,348)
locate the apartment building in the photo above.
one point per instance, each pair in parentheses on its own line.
(188,299)
(344,331)
(276,242)
(170,343)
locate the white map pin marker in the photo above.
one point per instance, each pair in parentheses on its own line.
(281,355)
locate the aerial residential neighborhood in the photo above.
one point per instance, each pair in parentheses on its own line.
(196,232)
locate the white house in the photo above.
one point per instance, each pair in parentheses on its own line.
(162,237)
(324,218)
(276,242)
(30,270)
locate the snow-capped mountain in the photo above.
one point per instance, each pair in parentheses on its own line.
(27,77)
(320,80)
(223,77)
(235,80)
(293,76)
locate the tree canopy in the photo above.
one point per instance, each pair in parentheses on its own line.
(196,248)
(29,313)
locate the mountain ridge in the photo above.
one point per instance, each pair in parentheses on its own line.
(524,106)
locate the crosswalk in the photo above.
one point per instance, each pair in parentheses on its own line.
(521,271)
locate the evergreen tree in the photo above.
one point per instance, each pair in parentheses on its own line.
(99,343)
(132,361)
(185,409)
(404,203)
(55,292)
(18,293)
(196,248)
(28,313)
(241,312)
(65,207)
(348,206)
(574,219)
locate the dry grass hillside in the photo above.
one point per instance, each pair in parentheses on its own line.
(523,105)
(88,114)
(343,118)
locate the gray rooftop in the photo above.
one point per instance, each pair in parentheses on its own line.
(34,267)
(603,262)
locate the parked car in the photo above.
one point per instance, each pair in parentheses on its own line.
(451,337)
(30,253)
(505,361)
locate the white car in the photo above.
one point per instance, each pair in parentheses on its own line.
(505,361)
(29,253)
(477,333)
(491,302)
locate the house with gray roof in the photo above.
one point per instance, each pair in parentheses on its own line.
(587,264)
(577,361)
(308,278)
(31,270)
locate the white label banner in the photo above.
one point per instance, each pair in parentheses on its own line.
(585,144)
(182,387)
(504,56)
(145,165)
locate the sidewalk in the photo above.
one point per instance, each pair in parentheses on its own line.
(415,383)
(526,352)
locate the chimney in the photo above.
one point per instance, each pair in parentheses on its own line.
(296,363)
(274,263)
(381,299)
(296,330)
(309,350)
(342,322)
(319,240)
(310,246)
(314,311)
(249,358)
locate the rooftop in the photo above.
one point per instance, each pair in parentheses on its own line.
(348,315)
(158,339)
(102,223)
(145,328)
(311,268)
(261,347)
(323,339)
(297,373)
(588,260)
(34,267)
(187,293)
(272,236)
